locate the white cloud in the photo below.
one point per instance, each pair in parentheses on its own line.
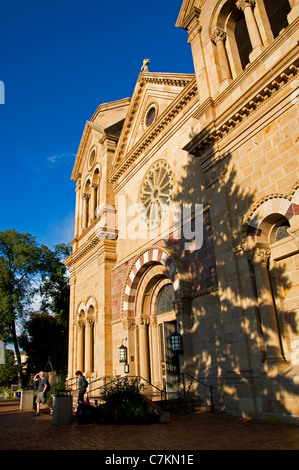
(62,156)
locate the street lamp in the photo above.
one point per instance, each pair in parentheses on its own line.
(123,353)
(176,342)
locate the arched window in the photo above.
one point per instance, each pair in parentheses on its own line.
(279,230)
(95,192)
(165,299)
(85,205)
(277,11)
(247,27)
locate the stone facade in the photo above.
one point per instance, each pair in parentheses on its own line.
(187,217)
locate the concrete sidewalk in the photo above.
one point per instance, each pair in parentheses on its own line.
(20,430)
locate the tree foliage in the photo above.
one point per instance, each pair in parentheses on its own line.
(45,336)
(28,269)
(8,370)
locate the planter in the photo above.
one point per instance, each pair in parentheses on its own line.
(62,410)
(27,400)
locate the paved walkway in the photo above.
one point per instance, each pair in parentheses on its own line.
(20,430)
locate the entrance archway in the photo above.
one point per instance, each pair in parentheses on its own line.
(156,289)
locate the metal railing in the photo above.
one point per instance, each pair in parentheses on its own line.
(201,383)
(112,380)
(162,392)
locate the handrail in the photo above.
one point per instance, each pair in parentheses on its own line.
(104,377)
(162,391)
(115,378)
(101,386)
(202,383)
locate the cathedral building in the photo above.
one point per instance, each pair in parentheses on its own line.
(185,261)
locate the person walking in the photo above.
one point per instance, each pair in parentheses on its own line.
(43,388)
(82,386)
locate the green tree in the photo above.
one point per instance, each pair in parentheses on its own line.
(45,335)
(27,269)
(19,267)
(54,288)
(8,370)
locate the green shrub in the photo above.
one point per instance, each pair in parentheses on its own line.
(124,405)
(5,393)
(59,388)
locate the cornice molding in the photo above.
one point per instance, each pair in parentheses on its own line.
(180,102)
(179,80)
(212,135)
(194,13)
(188,10)
(103,243)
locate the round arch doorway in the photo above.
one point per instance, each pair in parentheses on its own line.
(156,322)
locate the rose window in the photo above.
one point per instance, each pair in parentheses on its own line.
(155,193)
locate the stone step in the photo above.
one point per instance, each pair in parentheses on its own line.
(182,405)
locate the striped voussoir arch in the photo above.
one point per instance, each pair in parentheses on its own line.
(287,206)
(140,265)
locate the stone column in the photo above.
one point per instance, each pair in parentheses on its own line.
(259,258)
(85,210)
(218,39)
(93,202)
(257,46)
(155,356)
(89,347)
(80,346)
(144,349)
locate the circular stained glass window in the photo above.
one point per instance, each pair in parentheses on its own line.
(150,116)
(155,193)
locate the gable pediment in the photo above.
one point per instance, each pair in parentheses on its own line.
(106,123)
(153,95)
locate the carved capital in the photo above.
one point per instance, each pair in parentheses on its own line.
(80,324)
(143,321)
(128,323)
(242,4)
(218,35)
(153,321)
(259,256)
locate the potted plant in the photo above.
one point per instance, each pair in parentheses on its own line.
(62,404)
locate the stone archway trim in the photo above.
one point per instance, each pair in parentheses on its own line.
(84,305)
(286,205)
(159,255)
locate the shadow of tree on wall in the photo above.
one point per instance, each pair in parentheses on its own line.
(229,340)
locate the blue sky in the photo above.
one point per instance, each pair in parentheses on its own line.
(59,60)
